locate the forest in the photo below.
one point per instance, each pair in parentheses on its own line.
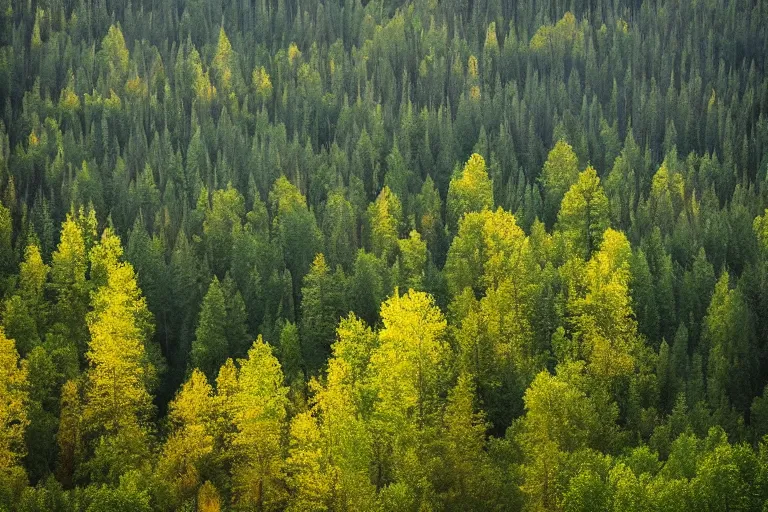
(380,255)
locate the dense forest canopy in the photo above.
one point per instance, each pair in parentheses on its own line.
(397,256)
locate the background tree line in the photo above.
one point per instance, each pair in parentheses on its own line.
(493,255)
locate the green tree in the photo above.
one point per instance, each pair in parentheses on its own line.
(559,174)
(69,436)
(187,285)
(20,324)
(340,230)
(211,347)
(237,318)
(729,336)
(368,286)
(385,218)
(44,381)
(321,307)
(429,218)
(584,214)
(223,218)
(7,254)
(68,282)
(296,229)
(469,465)
(666,197)
(643,296)
(147,255)
(290,356)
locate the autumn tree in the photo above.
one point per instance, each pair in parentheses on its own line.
(121,372)
(385,217)
(259,408)
(14,421)
(469,191)
(486,249)
(411,369)
(584,214)
(559,174)
(182,464)
(604,325)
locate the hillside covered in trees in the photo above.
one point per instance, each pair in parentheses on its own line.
(345,255)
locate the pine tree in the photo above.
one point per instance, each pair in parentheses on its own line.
(7,254)
(340,230)
(211,347)
(385,218)
(68,282)
(296,229)
(33,275)
(728,335)
(321,307)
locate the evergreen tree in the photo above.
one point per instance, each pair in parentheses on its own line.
(322,306)
(68,282)
(211,344)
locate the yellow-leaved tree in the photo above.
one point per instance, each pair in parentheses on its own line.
(470,191)
(13,421)
(121,370)
(191,442)
(603,321)
(258,407)
(330,449)
(584,214)
(409,372)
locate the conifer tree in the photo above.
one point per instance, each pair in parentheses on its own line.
(211,345)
